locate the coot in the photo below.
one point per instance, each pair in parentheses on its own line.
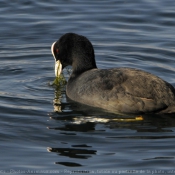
(124,90)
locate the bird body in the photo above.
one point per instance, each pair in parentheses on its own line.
(121,90)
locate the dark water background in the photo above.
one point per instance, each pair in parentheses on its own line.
(40,129)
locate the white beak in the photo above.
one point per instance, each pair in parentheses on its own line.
(58,68)
(58,65)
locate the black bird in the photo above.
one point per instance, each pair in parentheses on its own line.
(119,90)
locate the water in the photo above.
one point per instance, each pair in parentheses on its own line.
(41,130)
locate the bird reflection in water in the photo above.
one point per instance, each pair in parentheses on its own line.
(75,118)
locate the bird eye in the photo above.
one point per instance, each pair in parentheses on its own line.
(57,51)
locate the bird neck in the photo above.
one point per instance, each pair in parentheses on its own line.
(82,65)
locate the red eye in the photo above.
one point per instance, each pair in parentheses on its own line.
(57,51)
